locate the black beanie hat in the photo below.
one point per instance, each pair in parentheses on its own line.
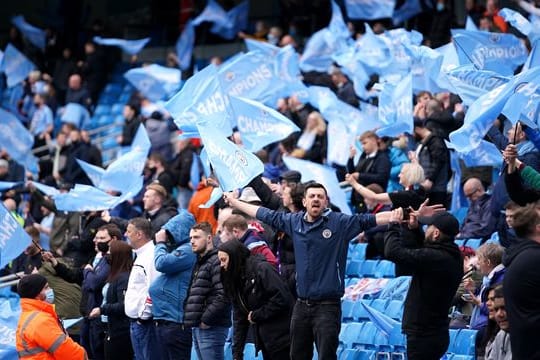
(31,285)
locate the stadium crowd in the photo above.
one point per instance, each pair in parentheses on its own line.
(161,273)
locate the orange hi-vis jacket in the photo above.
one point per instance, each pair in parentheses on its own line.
(40,334)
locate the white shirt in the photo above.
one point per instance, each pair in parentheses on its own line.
(141,276)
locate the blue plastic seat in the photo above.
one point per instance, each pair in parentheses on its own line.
(359,252)
(353,268)
(394,309)
(227,350)
(379,305)
(359,312)
(460,213)
(366,337)
(347,310)
(368,268)
(452,333)
(474,243)
(249,352)
(385,269)
(350,334)
(464,342)
(460,357)
(459,242)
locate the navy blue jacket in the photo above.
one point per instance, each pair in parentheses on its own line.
(320,248)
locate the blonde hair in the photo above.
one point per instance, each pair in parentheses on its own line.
(320,125)
(413,173)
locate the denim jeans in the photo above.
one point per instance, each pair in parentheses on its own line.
(143,339)
(173,341)
(209,343)
(315,322)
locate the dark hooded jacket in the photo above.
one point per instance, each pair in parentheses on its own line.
(437,269)
(521,288)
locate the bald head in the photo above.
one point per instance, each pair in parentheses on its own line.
(473,189)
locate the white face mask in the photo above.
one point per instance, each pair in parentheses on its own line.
(49,296)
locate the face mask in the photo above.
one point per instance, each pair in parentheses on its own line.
(49,296)
(272,39)
(440,7)
(103,246)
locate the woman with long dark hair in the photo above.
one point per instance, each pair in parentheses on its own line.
(117,339)
(260,298)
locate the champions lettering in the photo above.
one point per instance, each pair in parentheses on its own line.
(8,226)
(214,104)
(479,80)
(233,164)
(256,77)
(247,124)
(480,54)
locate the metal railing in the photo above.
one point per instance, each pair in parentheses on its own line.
(10,280)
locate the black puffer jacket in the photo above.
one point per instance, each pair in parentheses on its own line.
(206,301)
(266,295)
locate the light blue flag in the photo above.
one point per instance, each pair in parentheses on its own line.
(406,11)
(75,114)
(458,198)
(258,124)
(425,68)
(185,44)
(534,57)
(262,46)
(339,140)
(522,106)
(13,238)
(370,9)
(17,141)
(384,323)
(237,20)
(354,70)
(337,25)
(233,166)
(10,311)
(470,83)
(374,52)
(486,154)
(195,171)
(188,132)
(501,53)
(89,198)
(213,13)
(396,108)
(131,47)
(287,69)
(517,20)
(324,175)
(470,25)
(251,76)
(35,35)
(317,55)
(205,162)
(120,174)
(15,65)
(450,61)
(154,81)
(202,100)
(481,113)
(216,194)
(46,189)
(6,185)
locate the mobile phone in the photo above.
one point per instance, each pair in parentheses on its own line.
(467,297)
(406,214)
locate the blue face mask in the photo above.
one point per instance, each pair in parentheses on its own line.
(49,296)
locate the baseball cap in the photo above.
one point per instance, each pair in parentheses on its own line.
(444,221)
(291,176)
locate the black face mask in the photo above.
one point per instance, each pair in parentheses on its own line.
(103,246)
